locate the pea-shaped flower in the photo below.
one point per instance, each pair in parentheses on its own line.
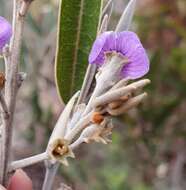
(5,32)
(127,45)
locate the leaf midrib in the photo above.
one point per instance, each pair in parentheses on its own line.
(80,18)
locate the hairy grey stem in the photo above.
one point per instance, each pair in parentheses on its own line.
(27,161)
(11,88)
(51,170)
(4,107)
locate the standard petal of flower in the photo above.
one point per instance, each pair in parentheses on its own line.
(97,52)
(138,65)
(5,32)
(111,43)
(130,46)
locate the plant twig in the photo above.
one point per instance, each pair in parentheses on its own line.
(11,88)
(51,170)
(27,161)
(3,105)
(24,7)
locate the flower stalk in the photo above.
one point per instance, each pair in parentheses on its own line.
(27,161)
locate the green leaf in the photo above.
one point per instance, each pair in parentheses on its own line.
(77,30)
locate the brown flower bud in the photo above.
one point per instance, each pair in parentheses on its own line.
(97,118)
(2,80)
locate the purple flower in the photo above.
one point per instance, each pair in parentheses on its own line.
(5,32)
(126,44)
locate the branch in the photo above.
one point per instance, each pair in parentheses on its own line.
(51,170)
(28,161)
(11,86)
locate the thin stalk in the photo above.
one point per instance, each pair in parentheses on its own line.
(51,170)
(28,161)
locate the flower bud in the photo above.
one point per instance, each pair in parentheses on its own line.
(2,80)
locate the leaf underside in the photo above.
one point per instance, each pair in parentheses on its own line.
(77,30)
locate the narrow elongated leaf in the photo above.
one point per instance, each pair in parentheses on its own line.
(108,8)
(77,29)
(126,18)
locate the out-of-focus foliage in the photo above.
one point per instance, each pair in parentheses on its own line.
(148,152)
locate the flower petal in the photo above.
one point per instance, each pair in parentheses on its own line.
(138,65)
(5,32)
(130,46)
(96,54)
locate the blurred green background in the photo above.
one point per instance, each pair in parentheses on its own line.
(148,150)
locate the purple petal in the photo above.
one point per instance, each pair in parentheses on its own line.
(97,54)
(136,68)
(130,46)
(110,44)
(5,32)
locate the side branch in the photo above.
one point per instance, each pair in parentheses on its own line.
(28,161)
